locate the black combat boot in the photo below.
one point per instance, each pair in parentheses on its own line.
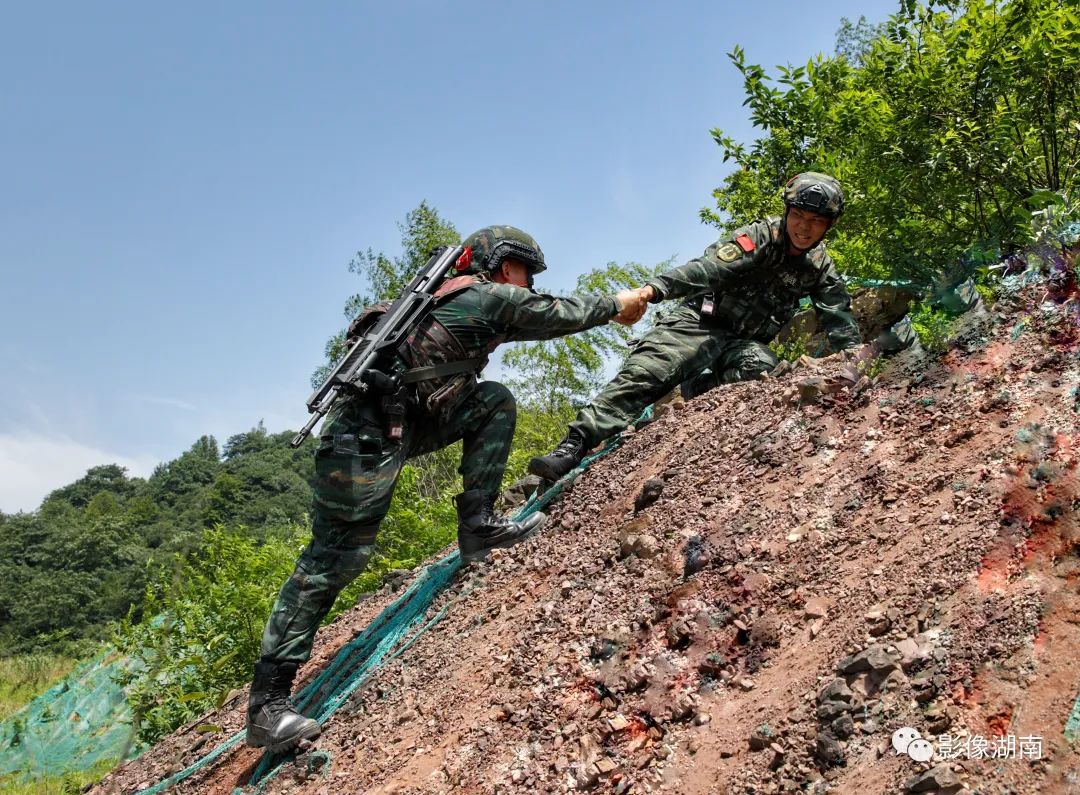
(560,460)
(272,720)
(481,530)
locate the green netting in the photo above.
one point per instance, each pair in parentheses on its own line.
(905,284)
(83,720)
(1072,725)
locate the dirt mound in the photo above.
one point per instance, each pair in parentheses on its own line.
(814,563)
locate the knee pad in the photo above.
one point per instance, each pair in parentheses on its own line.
(751,363)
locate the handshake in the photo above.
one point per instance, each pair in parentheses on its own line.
(632,304)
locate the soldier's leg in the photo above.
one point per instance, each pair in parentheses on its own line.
(677,346)
(356,469)
(701,383)
(739,360)
(485,424)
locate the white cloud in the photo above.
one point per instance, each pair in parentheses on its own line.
(168,402)
(33,464)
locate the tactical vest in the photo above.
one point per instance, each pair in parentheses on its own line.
(440,371)
(757,303)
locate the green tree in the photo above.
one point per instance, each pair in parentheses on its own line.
(222,500)
(193,470)
(854,39)
(254,441)
(952,126)
(110,477)
(103,504)
(423,231)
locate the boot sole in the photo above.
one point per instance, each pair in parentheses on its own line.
(538,520)
(309,733)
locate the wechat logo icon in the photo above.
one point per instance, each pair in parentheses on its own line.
(908,741)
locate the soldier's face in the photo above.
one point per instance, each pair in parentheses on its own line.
(805,229)
(512,271)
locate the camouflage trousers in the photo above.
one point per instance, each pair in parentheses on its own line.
(679,349)
(356,469)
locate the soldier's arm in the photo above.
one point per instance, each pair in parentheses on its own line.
(712,271)
(535,316)
(832,303)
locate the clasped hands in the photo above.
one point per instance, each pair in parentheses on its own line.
(633,304)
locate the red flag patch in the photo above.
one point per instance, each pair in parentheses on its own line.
(745,243)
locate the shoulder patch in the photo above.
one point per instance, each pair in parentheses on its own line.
(728,252)
(745,243)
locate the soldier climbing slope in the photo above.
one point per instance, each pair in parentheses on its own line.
(737,295)
(362,449)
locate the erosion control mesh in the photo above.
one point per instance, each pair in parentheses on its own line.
(72,726)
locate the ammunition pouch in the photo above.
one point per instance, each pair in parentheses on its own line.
(438,397)
(733,313)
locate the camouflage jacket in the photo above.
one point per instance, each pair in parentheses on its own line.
(472,317)
(756,286)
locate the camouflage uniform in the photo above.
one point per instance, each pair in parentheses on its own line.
(739,294)
(357,463)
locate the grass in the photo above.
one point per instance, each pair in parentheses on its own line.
(25,676)
(68,784)
(22,678)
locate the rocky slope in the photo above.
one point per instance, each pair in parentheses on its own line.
(753,594)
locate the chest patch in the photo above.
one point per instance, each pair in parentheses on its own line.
(729,252)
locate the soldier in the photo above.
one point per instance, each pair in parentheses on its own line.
(738,296)
(359,457)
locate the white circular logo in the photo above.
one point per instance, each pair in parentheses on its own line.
(902,738)
(920,750)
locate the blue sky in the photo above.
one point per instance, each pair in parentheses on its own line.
(185,184)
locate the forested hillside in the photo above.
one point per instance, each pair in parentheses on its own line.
(80,561)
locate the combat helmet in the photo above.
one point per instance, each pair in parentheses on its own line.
(492,244)
(816,192)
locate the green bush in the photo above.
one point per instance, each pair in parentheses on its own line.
(933,327)
(209,610)
(791,348)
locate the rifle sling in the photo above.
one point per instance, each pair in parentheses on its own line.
(441,370)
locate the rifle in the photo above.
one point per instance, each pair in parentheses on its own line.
(356,370)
